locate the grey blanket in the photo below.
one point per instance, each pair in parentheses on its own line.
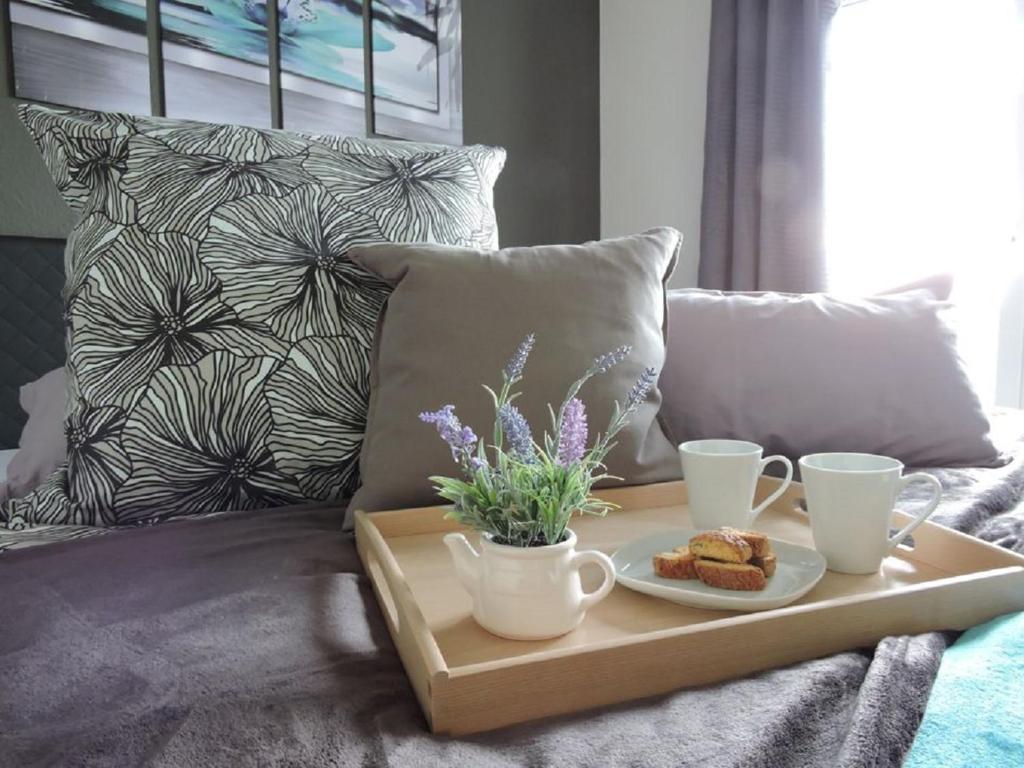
(255,639)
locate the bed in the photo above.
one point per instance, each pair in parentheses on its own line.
(254,638)
(6,454)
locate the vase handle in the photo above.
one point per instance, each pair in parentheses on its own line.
(601,559)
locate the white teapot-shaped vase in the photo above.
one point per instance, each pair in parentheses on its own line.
(528,593)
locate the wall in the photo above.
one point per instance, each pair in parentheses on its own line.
(29,203)
(530,84)
(654,61)
(530,80)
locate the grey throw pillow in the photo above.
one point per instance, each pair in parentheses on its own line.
(218,333)
(809,373)
(456,314)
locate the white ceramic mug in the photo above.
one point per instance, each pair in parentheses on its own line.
(721,477)
(850,500)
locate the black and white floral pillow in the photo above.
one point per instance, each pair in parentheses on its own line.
(218,335)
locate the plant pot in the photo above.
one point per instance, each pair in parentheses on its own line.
(528,593)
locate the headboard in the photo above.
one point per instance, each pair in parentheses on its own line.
(31,328)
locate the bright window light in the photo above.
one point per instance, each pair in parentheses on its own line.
(923,155)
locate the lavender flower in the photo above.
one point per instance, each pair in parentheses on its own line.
(641,388)
(572,441)
(515,366)
(462,440)
(605,362)
(467,438)
(517,431)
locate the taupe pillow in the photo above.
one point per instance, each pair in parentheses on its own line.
(457,314)
(810,373)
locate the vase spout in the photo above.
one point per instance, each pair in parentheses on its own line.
(467,561)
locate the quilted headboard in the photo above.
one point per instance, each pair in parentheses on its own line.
(31,331)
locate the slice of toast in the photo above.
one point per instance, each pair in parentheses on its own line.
(766,563)
(675,565)
(721,545)
(759,542)
(736,576)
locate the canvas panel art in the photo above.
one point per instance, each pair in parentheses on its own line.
(322,65)
(417,69)
(216,63)
(82,53)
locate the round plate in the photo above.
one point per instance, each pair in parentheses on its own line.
(797,571)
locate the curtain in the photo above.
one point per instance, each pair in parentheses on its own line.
(761,214)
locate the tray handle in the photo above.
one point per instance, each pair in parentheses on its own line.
(405,620)
(387,600)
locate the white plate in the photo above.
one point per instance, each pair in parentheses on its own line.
(797,571)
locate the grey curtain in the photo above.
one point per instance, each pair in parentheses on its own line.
(761,216)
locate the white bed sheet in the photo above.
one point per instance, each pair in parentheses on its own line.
(5,458)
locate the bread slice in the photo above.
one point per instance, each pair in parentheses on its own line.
(675,565)
(759,543)
(736,576)
(721,545)
(766,563)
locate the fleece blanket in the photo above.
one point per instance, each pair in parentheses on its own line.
(255,639)
(975,716)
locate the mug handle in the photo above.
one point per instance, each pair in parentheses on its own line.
(925,512)
(778,491)
(597,558)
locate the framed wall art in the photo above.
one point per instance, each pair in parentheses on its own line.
(378,68)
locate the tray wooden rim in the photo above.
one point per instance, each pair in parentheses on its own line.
(436,684)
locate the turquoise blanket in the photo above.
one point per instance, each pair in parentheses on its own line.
(975,716)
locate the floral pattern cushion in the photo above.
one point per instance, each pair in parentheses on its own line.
(218,335)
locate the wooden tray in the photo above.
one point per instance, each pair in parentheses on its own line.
(633,645)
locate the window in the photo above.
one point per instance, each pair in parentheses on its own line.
(923,170)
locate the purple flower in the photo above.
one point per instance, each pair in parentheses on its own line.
(572,441)
(515,366)
(641,388)
(476,464)
(467,438)
(517,431)
(462,440)
(605,362)
(443,416)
